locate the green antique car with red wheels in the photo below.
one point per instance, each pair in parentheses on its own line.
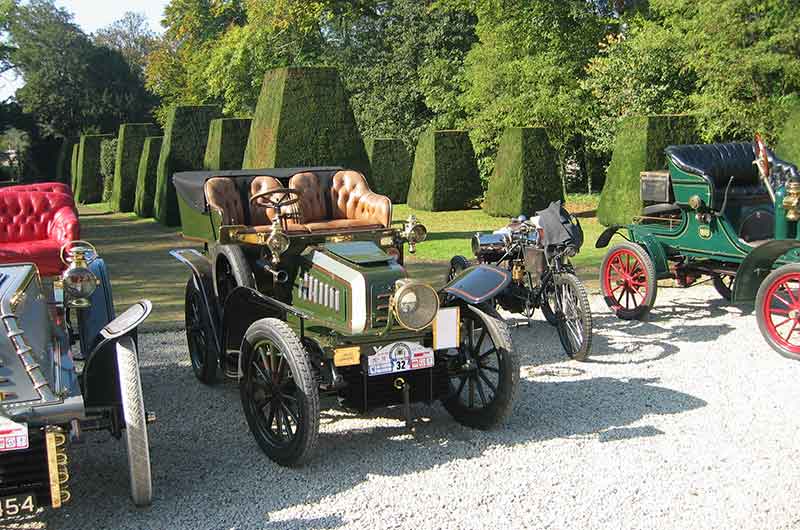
(301,294)
(726,211)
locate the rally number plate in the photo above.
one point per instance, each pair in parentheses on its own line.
(400,357)
(24,504)
(13,435)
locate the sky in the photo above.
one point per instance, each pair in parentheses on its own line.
(92,15)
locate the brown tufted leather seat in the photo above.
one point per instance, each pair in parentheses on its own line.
(339,203)
(223,196)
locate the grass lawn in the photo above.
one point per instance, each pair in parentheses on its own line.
(136,251)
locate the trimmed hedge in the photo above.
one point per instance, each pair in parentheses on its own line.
(304,118)
(525,176)
(445,174)
(390,167)
(146,176)
(73,175)
(63,163)
(126,164)
(108,156)
(227,140)
(182,149)
(639,146)
(89,182)
(788,147)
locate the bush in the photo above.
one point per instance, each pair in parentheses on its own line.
(304,118)
(525,176)
(108,154)
(146,176)
(126,166)
(390,167)
(63,163)
(788,147)
(227,140)
(182,149)
(639,146)
(445,175)
(89,182)
(73,175)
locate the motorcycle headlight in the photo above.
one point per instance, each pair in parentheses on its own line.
(415,304)
(79,284)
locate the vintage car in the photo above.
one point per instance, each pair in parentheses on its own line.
(54,292)
(537,253)
(301,293)
(729,211)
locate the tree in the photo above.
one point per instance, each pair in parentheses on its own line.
(71,85)
(132,37)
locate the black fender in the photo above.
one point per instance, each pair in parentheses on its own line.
(478,283)
(202,276)
(244,306)
(605,237)
(100,377)
(756,266)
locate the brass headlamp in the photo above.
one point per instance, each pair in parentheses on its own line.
(78,282)
(277,241)
(791,200)
(414,232)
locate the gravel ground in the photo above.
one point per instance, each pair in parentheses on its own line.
(688,420)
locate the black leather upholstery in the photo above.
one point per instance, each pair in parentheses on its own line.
(717,163)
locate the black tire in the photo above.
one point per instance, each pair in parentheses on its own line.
(574,316)
(134,418)
(625,297)
(775,302)
(724,285)
(231,270)
(457,264)
(292,394)
(494,369)
(548,302)
(203,352)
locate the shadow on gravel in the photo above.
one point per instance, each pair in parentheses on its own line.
(209,473)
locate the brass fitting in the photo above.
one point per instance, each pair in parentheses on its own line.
(791,201)
(518,272)
(57,462)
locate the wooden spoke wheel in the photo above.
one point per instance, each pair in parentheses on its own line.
(279,393)
(483,371)
(778,310)
(200,336)
(628,281)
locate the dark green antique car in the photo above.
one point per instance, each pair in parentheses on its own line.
(300,292)
(728,211)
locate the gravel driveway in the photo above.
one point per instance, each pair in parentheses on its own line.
(688,420)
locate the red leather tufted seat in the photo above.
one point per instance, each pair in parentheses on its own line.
(33,227)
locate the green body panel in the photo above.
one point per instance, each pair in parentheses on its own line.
(360,252)
(759,263)
(196,224)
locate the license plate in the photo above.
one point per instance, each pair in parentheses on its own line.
(400,357)
(24,504)
(13,435)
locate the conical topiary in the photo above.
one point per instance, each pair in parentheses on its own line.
(390,167)
(126,167)
(227,140)
(146,176)
(445,174)
(89,182)
(183,149)
(304,118)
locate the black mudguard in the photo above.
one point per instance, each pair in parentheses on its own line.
(246,305)
(605,237)
(756,266)
(478,284)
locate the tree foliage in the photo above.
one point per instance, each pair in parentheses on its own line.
(132,37)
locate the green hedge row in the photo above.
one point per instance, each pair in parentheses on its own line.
(390,167)
(183,149)
(639,146)
(73,175)
(88,184)
(445,174)
(126,164)
(525,176)
(108,156)
(146,176)
(303,118)
(227,140)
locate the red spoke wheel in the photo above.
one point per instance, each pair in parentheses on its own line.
(778,310)
(628,281)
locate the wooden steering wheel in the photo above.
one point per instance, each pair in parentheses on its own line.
(277,198)
(762,160)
